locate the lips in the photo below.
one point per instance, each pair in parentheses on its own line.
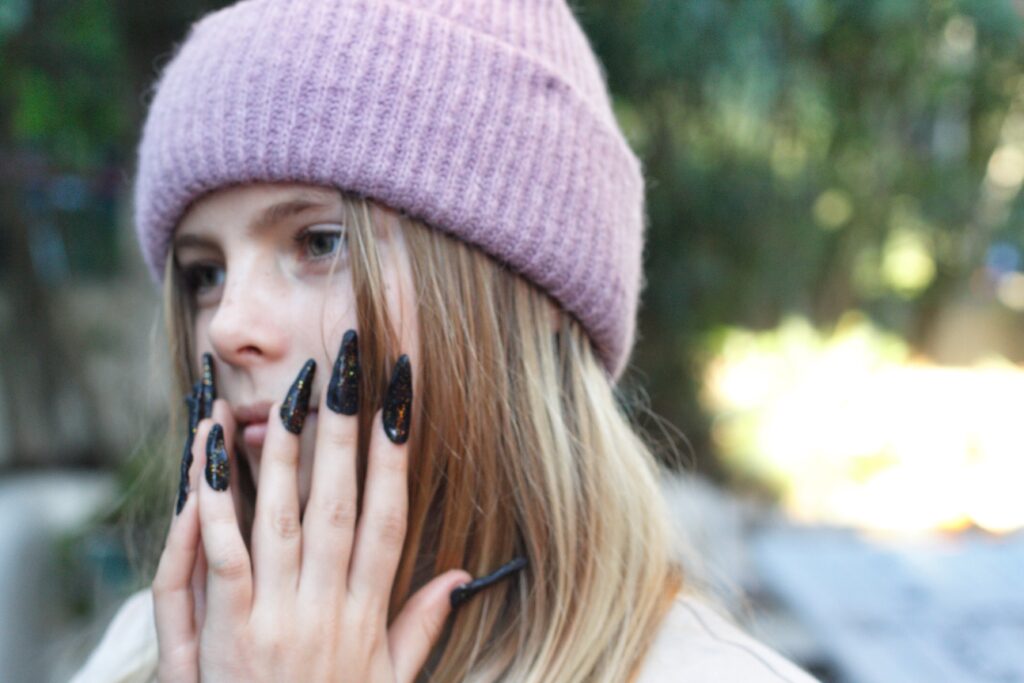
(253,412)
(252,423)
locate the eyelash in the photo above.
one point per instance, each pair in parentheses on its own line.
(193,272)
(305,235)
(190,275)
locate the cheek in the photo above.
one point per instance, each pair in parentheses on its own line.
(202,329)
(322,317)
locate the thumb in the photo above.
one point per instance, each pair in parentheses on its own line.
(418,626)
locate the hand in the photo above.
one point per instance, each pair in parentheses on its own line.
(311,602)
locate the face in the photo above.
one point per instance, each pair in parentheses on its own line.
(257,259)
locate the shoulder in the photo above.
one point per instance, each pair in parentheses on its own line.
(696,643)
(127,653)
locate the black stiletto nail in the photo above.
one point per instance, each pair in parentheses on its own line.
(182,490)
(192,401)
(463,593)
(343,389)
(217,467)
(296,403)
(398,402)
(209,388)
(195,413)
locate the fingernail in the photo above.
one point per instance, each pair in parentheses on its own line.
(192,401)
(296,403)
(209,389)
(217,468)
(343,389)
(398,401)
(463,593)
(182,489)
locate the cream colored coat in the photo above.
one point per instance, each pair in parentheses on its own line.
(695,644)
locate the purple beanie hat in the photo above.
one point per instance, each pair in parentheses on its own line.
(487,119)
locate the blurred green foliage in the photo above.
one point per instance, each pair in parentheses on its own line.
(810,157)
(64,81)
(802,156)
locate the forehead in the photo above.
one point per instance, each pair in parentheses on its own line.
(253,205)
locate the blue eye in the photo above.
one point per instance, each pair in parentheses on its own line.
(201,277)
(321,244)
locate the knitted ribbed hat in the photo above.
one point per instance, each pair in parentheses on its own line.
(488,119)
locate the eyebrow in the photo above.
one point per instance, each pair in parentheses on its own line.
(273,214)
(276,213)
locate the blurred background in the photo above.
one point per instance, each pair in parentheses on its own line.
(832,329)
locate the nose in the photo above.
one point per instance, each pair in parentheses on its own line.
(244,329)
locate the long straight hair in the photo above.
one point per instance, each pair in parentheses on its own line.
(519,446)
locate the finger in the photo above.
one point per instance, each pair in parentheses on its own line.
(277,530)
(199,588)
(382,524)
(205,404)
(202,566)
(173,598)
(229,572)
(328,526)
(418,626)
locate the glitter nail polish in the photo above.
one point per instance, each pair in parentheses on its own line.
(209,388)
(398,402)
(296,402)
(192,401)
(343,389)
(217,467)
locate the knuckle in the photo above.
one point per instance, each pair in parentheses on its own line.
(279,641)
(230,565)
(219,521)
(342,439)
(375,638)
(268,640)
(164,582)
(339,514)
(390,527)
(286,524)
(363,625)
(160,587)
(284,457)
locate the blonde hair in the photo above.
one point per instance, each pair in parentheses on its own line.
(519,446)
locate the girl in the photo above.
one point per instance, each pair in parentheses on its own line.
(400,246)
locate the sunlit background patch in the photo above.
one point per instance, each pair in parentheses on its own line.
(849,428)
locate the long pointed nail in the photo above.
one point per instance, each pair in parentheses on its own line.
(209,388)
(463,593)
(343,389)
(192,401)
(217,467)
(296,402)
(398,402)
(195,410)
